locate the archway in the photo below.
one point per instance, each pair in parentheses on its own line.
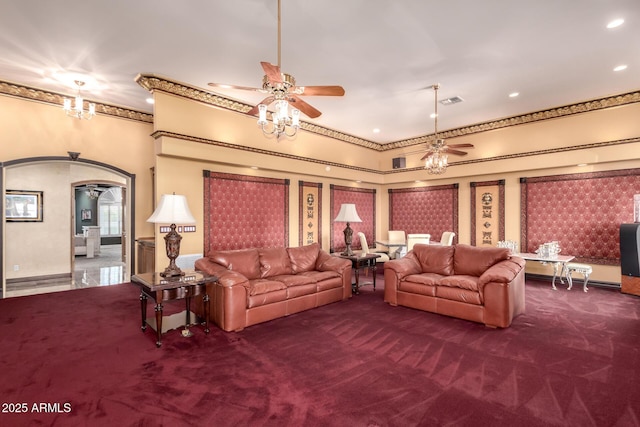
(43,249)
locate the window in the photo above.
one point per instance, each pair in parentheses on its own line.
(110,212)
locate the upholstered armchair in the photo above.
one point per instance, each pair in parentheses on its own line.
(412,239)
(447,238)
(365,249)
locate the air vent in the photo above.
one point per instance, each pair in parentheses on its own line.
(452,100)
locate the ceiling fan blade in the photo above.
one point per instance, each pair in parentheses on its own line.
(307,109)
(426,155)
(254,111)
(460,145)
(456,152)
(320,90)
(226,86)
(272,71)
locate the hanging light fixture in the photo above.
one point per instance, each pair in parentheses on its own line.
(281,122)
(92,191)
(77,110)
(437,160)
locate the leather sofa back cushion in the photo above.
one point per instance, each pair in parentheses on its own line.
(304,258)
(474,261)
(244,261)
(435,259)
(274,262)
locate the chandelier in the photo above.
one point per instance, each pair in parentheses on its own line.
(281,122)
(92,191)
(437,160)
(77,110)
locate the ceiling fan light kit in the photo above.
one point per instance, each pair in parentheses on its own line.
(283,92)
(437,158)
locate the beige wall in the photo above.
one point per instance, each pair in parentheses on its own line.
(32,129)
(195,136)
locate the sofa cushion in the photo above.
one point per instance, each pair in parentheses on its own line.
(263,286)
(304,258)
(274,261)
(244,261)
(461,281)
(474,261)
(435,259)
(319,276)
(294,280)
(431,279)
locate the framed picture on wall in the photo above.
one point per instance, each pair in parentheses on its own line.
(23,206)
(86,214)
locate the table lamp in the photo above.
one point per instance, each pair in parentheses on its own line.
(172,209)
(348,214)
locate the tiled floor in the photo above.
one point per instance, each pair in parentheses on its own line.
(102,270)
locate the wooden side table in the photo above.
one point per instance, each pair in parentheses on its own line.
(362,261)
(160,289)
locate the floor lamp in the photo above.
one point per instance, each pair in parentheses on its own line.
(347,214)
(172,209)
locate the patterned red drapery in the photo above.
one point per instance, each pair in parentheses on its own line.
(431,210)
(583,212)
(365,201)
(242,211)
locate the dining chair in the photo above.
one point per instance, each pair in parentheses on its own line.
(366,250)
(412,239)
(397,236)
(447,238)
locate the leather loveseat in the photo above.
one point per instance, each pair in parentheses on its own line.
(481,284)
(257,285)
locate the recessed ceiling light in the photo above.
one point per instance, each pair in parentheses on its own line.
(620,68)
(358,181)
(433,115)
(514,94)
(615,23)
(376,130)
(580,165)
(417,180)
(150,101)
(255,168)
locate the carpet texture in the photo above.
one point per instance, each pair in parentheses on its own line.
(572,359)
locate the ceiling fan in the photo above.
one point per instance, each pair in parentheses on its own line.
(280,86)
(438,148)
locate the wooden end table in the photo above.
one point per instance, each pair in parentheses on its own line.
(160,289)
(362,261)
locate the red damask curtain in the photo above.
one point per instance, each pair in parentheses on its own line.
(583,212)
(243,211)
(365,201)
(431,210)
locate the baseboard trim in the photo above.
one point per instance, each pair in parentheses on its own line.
(39,278)
(577,279)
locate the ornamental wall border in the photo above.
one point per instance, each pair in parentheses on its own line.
(152,82)
(54,98)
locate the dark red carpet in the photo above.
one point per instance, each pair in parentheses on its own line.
(572,359)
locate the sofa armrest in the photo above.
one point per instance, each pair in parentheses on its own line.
(404,266)
(502,272)
(226,277)
(327,262)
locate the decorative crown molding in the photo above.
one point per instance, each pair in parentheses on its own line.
(54,98)
(152,82)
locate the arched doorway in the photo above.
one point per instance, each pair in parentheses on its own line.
(43,250)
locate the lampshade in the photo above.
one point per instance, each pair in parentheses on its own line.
(348,213)
(172,209)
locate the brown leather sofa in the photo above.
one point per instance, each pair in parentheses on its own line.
(480,284)
(257,285)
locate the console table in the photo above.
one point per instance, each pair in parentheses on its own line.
(362,261)
(557,261)
(160,289)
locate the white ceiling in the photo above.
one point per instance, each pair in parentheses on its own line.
(384,53)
